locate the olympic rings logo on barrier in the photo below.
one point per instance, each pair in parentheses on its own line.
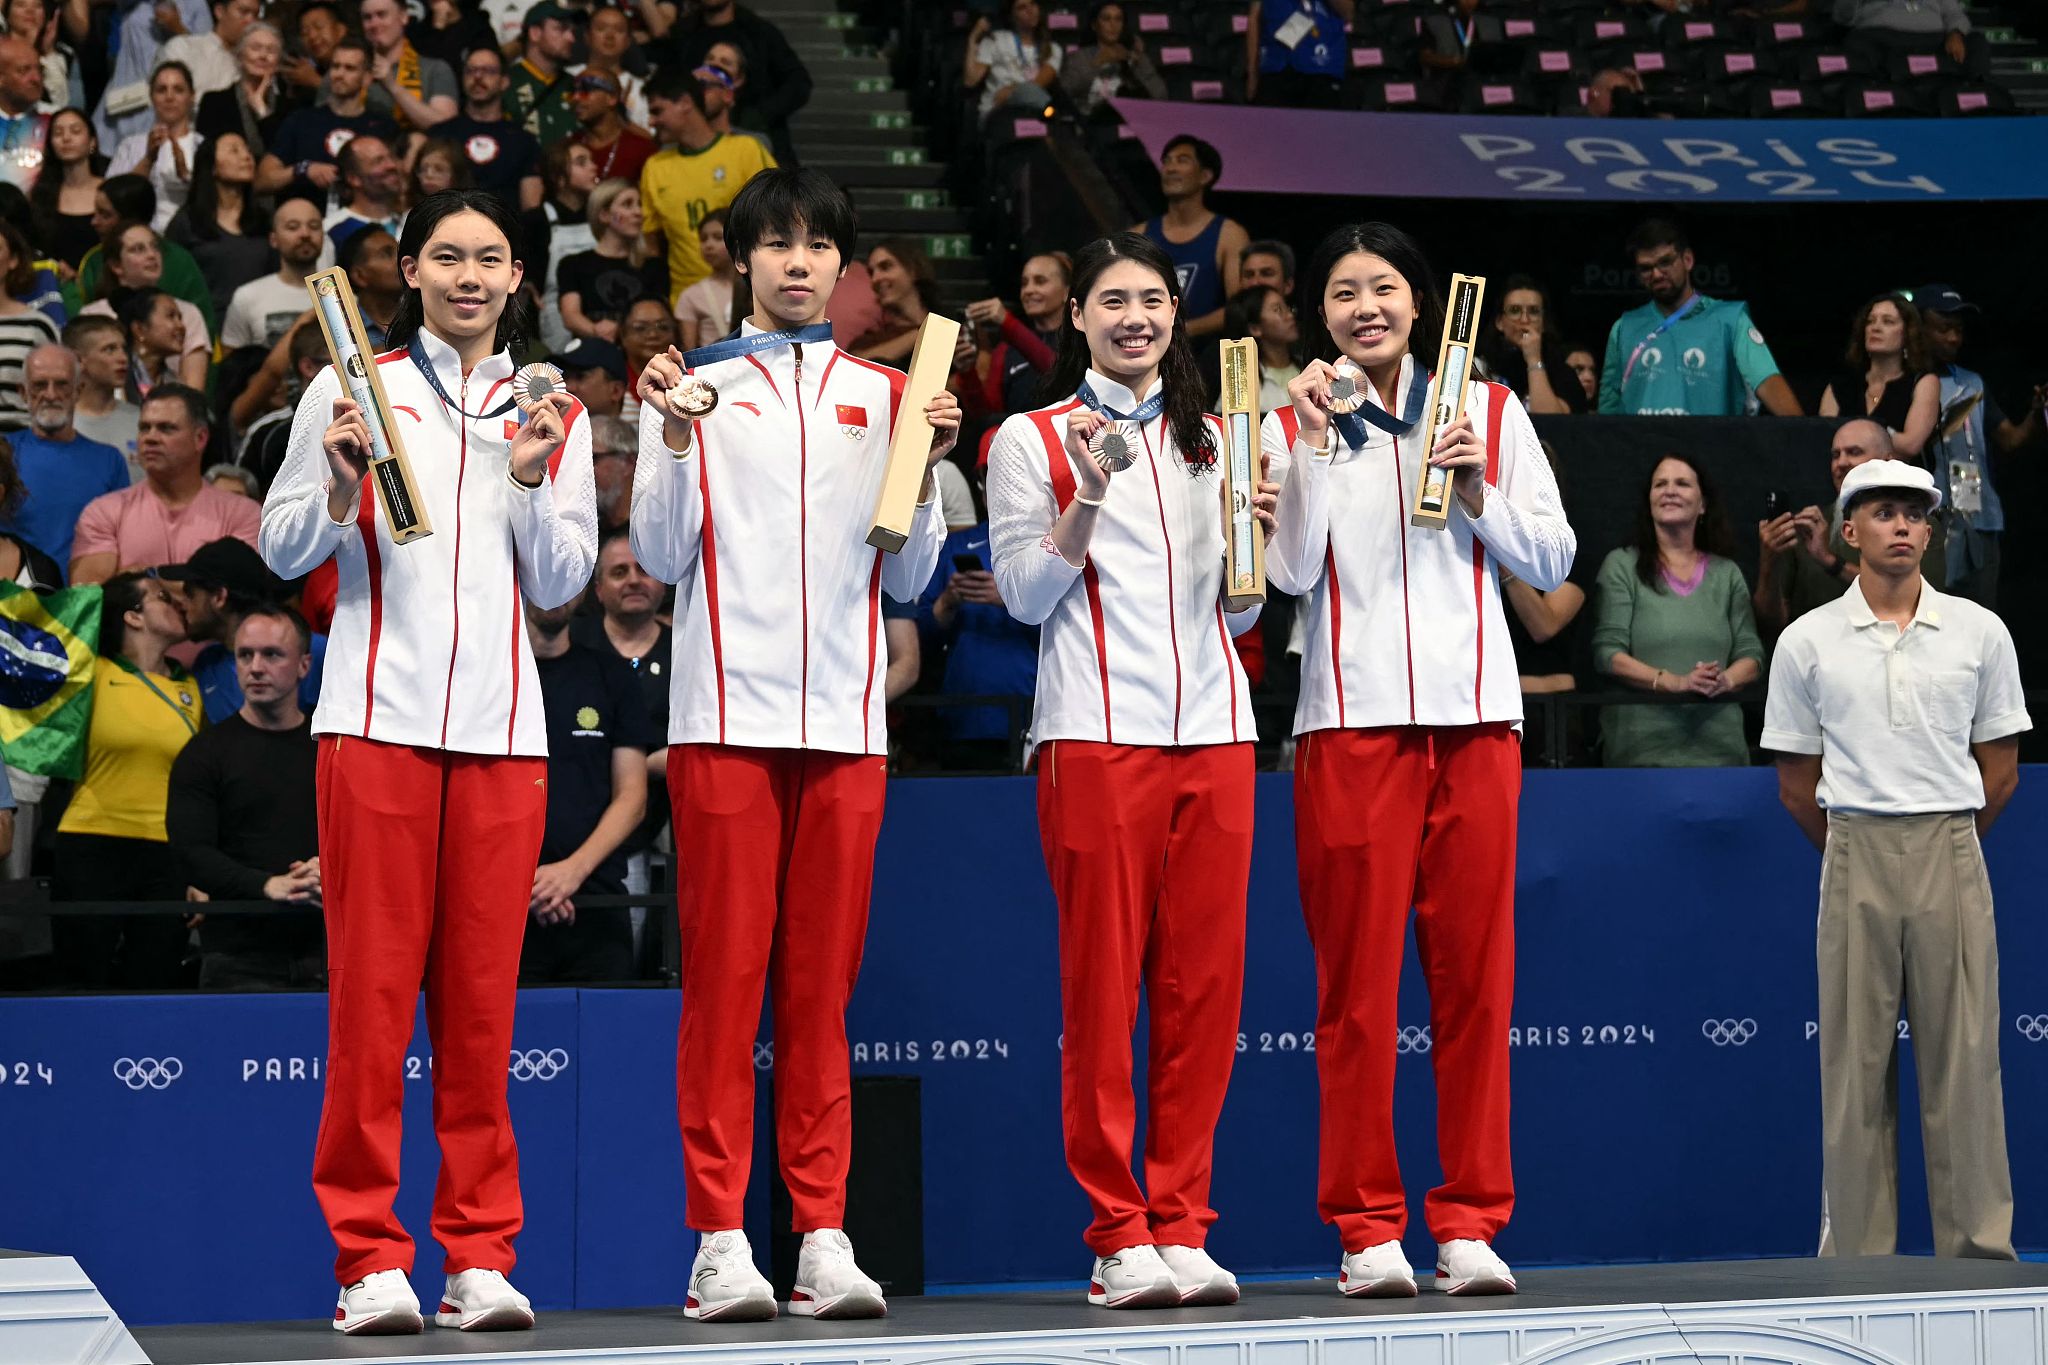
(147,1073)
(1728,1032)
(2032,1027)
(1412,1039)
(536,1065)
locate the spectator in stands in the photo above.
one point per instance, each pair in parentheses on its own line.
(1267,262)
(62,200)
(309,140)
(111,844)
(595,374)
(232,478)
(1017,353)
(1674,616)
(373,186)
(1586,367)
(102,413)
(222,225)
(1204,245)
(1544,628)
(1805,563)
(21,562)
(537,88)
(1683,353)
(156,335)
(1887,378)
(777,85)
(598,738)
(321,31)
(451,30)
(1447,35)
(143,34)
(1296,53)
(630,627)
(263,310)
(1013,65)
(1115,65)
(569,174)
(272,395)
(437,165)
(256,104)
(63,82)
(908,289)
(608,37)
(134,257)
(55,471)
(599,285)
(411,90)
(172,512)
(371,260)
(704,310)
(129,198)
(208,57)
(503,157)
(649,329)
(700,172)
(22,328)
(220,584)
(613,453)
(1262,313)
(1880,28)
(1524,352)
(241,815)
(1615,92)
(988,652)
(618,149)
(24,129)
(1970,428)
(723,72)
(166,151)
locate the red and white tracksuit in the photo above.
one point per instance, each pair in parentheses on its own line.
(1144,728)
(432,800)
(776,766)
(1406,779)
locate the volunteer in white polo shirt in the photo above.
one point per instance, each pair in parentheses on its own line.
(1895,711)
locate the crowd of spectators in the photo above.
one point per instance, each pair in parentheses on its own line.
(155,335)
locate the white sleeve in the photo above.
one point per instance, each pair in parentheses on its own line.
(238,328)
(668,505)
(1031,574)
(1791,713)
(2001,703)
(554,526)
(297,535)
(905,573)
(1522,521)
(1294,557)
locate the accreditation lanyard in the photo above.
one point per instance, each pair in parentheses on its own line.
(1350,426)
(162,696)
(1659,330)
(418,351)
(817,332)
(1141,414)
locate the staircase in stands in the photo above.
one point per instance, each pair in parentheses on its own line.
(857,128)
(2017,63)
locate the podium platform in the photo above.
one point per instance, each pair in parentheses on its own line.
(1877,1311)
(52,1314)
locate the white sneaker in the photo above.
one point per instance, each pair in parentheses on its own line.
(1200,1281)
(724,1284)
(829,1284)
(1132,1278)
(379,1304)
(483,1301)
(1467,1266)
(1378,1272)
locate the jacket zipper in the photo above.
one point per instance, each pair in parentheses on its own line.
(803,549)
(455,578)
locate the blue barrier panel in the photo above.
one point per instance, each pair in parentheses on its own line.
(1665,1092)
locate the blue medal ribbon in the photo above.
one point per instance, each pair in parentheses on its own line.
(418,352)
(1141,414)
(1680,316)
(759,341)
(1351,425)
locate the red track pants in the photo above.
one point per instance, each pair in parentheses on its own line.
(1385,819)
(775,857)
(426,862)
(1149,851)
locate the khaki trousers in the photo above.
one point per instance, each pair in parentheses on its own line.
(1905,911)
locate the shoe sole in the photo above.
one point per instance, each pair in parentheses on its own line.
(1478,1284)
(1158,1294)
(1214,1294)
(1388,1288)
(504,1318)
(855,1303)
(732,1310)
(392,1322)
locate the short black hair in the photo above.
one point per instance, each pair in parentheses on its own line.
(1652,233)
(187,397)
(784,200)
(675,85)
(1268,246)
(1206,155)
(131,195)
(278,612)
(469,52)
(349,249)
(307,7)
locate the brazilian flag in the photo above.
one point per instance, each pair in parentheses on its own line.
(47,647)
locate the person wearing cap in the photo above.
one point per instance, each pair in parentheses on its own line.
(537,89)
(1895,713)
(1971,426)
(619,149)
(220,584)
(594,372)
(503,157)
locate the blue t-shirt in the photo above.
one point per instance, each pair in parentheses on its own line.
(1319,38)
(1703,361)
(992,654)
(220,691)
(58,478)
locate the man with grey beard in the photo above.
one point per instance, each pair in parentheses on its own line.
(59,470)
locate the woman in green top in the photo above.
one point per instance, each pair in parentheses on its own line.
(1674,616)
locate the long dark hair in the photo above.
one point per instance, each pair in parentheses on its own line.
(1007,13)
(1711,536)
(1179,371)
(1398,250)
(43,199)
(202,206)
(917,264)
(406,320)
(1913,359)
(119,595)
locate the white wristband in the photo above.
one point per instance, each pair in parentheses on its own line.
(1090,502)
